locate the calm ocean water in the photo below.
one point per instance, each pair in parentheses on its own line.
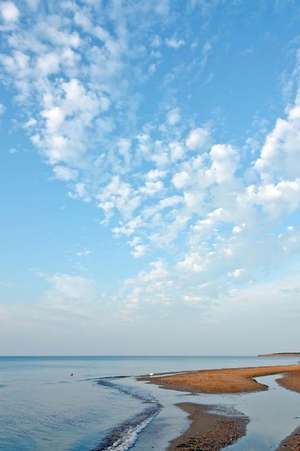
(43,407)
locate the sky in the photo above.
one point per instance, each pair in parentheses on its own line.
(150,177)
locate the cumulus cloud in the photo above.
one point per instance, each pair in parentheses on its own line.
(181,179)
(197,138)
(9,12)
(161,183)
(224,163)
(280,152)
(280,198)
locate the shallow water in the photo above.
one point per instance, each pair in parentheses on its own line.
(42,407)
(274,415)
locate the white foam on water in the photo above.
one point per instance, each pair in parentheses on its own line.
(130,437)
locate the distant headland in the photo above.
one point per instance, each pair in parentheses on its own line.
(281,354)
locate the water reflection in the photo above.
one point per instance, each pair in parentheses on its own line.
(274,414)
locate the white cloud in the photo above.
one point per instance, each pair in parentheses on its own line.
(119,195)
(66,288)
(155,174)
(48,64)
(192,263)
(139,250)
(80,192)
(159,185)
(224,163)
(238,228)
(55,118)
(277,199)
(174,43)
(128,229)
(180,179)
(176,151)
(124,147)
(197,138)
(280,153)
(173,116)
(153,286)
(64,173)
(156,41)
(237,273)
(152,187)
(9,12)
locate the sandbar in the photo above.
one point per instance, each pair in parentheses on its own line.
(209,431)
(227,380)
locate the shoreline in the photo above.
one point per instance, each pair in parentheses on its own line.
(211,431)
(208,431)
(290,381)
(291,442)
(227,380)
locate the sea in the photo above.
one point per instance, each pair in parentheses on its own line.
(95,403)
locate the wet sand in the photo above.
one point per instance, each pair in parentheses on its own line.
(290,381)
(291,443)
(208,431)
(214,432)
(227,380)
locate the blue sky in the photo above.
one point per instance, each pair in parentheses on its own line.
(150,176)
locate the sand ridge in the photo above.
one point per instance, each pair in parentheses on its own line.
(228,380)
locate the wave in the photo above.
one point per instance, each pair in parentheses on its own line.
(125,389)
(124,436)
